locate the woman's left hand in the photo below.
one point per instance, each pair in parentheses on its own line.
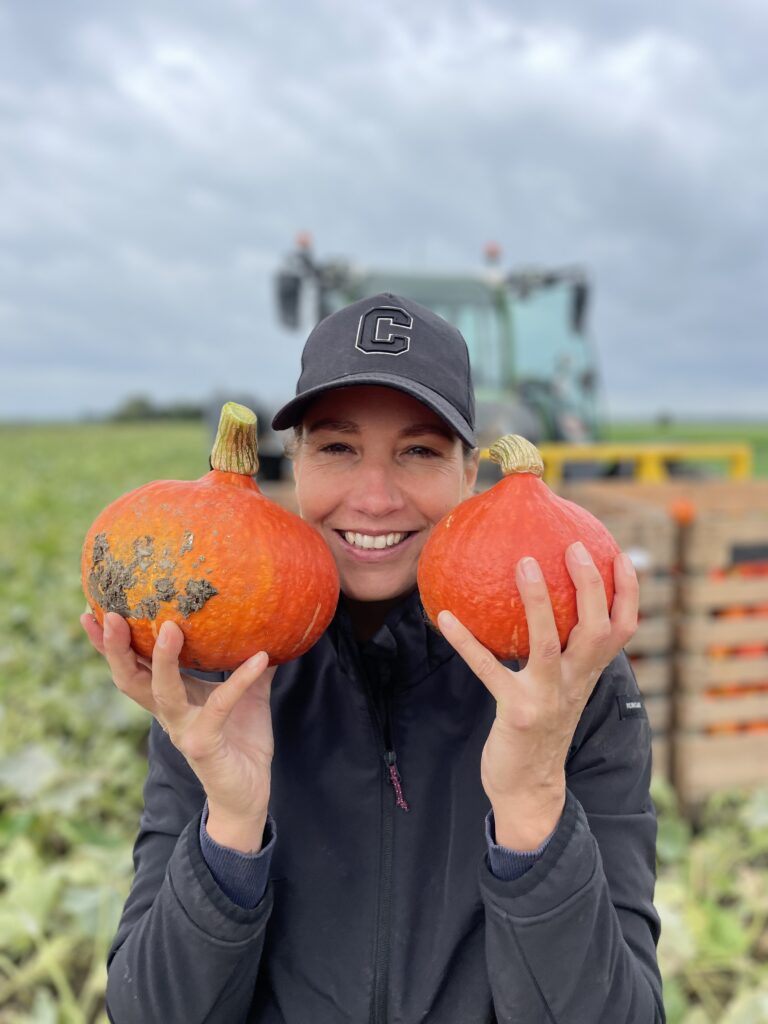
(539,706)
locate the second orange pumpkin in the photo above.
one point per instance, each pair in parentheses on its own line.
(468,564)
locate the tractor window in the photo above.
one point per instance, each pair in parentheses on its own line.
(547,347)
(482,331)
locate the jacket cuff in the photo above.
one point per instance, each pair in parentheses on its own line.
(566,865)
(202,899)
(505,863)
(242,876)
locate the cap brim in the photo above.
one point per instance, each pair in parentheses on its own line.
(293,411)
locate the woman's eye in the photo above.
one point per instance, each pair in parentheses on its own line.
(422,452)
(335,448)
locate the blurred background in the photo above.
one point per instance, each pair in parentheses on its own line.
(582,188)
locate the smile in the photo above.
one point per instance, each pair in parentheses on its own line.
(374,547)
(370,541)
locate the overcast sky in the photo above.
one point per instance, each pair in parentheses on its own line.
(157,159)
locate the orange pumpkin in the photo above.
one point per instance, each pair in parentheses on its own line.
(235,571)
(468,564)
(683,511)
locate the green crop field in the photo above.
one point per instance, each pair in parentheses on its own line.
(753,434)
(72,763)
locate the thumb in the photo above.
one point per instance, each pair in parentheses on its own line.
(221,702)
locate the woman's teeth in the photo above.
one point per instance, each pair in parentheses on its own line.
(365,540)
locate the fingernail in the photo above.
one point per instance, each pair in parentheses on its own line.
(107,627)
(260,657)
(162,636)
(581,554)
(445,620)
(532,570)
(627,564)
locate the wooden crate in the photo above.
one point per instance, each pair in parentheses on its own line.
(721,708)
(699,712)
(724,522)
(718,540)
(657,593)
(717,635)
(695,672)
(703,593)
(721,724)
(718,710)
(653,673)
(702,764)
(659,708)
(661,756)
(720,737)
(640,528)
(654,635)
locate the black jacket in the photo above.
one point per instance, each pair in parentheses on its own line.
(375,915)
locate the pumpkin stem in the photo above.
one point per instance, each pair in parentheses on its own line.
(235,449)
(515,454)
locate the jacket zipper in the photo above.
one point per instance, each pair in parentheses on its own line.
(390,758)
(390,777)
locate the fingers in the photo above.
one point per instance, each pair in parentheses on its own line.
(128,674)
(168,691)
(219,705)
(544,657)
(203,739)
(591,599)
(480,660)
(626,599)
(600,634)
(93,630)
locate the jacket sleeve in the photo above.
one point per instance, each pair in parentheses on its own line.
(573,940)
(505,863)
(183,950)
(242,876)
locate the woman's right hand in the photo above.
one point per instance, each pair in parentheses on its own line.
(224,730)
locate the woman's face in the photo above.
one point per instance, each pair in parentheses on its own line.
(375,470)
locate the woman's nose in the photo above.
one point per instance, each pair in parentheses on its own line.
(377,492)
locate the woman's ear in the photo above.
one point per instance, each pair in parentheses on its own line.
(296,470)
(471,466)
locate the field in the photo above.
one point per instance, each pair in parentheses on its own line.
(754,434)
(73,763)
(73,748)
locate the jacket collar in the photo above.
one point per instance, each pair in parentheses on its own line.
(407,638)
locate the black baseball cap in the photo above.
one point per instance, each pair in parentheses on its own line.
(393,342)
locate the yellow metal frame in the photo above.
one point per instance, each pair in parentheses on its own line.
(649,460)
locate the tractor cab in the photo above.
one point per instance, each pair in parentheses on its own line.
(533,365)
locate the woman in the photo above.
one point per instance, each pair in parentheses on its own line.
(433,836)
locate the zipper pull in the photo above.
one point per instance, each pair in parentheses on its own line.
(390,758)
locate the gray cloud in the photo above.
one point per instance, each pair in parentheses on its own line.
(156,160)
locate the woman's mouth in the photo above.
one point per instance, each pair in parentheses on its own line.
(377,545)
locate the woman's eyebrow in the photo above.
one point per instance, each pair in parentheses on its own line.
(419,429)
(351,427)
(343,426)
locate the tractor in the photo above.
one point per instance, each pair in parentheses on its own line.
(534,367)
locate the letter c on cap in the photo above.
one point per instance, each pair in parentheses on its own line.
(384,330)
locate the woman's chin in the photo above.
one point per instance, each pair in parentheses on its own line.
(377,590)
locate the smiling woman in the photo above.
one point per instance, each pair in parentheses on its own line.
(375,470)
(461,840)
